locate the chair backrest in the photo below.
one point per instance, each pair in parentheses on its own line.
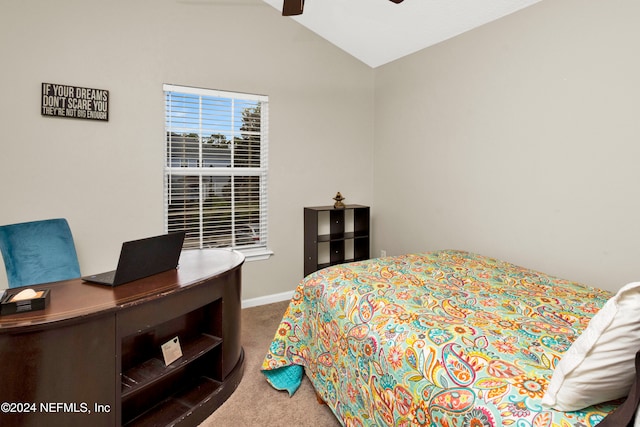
(38,252)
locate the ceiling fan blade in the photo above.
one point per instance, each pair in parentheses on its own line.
(292,7)
(295,7)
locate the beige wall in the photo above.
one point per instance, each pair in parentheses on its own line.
(321,117)
(518,140)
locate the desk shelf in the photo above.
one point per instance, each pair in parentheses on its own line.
(152,371)
(172,410)
(150,390)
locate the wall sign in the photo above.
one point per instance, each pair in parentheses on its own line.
(75,102)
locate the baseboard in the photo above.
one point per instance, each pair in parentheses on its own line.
(268,299)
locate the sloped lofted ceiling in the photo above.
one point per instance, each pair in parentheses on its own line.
(380,31)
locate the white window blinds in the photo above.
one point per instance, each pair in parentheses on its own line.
(216,168)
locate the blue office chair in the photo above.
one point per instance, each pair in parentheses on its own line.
(38,252)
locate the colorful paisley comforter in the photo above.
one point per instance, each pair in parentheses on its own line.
(447,339)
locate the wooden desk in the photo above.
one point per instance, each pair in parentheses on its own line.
(93,356)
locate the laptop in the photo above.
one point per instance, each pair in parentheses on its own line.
(143,258)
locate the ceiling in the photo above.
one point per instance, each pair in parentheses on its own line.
(380,31)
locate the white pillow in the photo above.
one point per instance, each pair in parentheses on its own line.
(599,366)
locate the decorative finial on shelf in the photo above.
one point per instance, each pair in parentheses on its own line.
(338,204)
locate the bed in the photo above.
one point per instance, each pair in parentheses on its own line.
(451,338)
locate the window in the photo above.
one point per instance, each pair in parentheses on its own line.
(216,168)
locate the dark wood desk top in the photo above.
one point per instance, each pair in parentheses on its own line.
(75,300)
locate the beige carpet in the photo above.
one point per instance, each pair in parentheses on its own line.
(255,402)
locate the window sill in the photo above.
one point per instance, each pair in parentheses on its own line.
(257,254)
